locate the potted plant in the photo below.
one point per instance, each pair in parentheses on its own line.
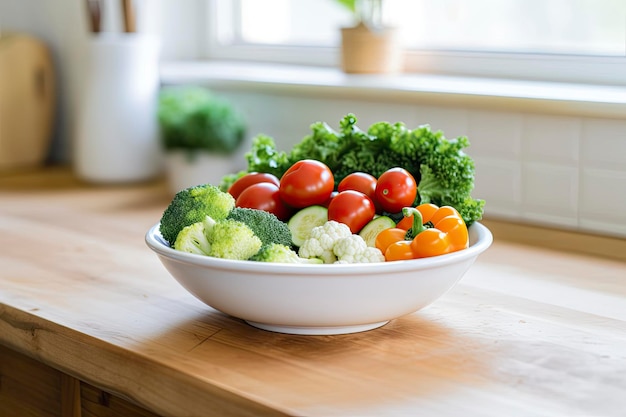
(369,46)
(200,134)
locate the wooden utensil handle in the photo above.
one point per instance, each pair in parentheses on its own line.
(94,9)
(129,16)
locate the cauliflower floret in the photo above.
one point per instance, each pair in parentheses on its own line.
(333,242)
(370,255)
(322,240)
(353,249)
(312,248)
(347,248)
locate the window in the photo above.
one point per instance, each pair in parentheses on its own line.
(565,40)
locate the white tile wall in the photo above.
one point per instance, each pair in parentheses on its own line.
(565,172)
(496,134)
(498,182)
(552,139)
(550,194)
(604,143)
(603,201)
(550,180)
(453,122)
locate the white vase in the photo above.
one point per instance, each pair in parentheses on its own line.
(184,170)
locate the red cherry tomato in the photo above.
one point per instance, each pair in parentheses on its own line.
(264,196)
(396,188)
(306,183)
(353,208)
(359,181)
(247,180)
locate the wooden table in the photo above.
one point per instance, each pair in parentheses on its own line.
(92,324)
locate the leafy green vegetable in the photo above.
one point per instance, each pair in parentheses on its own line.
(443,171)
(264,157)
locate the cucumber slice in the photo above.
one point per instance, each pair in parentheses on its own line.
(374,227)
(301,223)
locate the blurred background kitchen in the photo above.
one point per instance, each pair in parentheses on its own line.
(538,86)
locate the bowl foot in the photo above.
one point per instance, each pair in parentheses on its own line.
(317,330)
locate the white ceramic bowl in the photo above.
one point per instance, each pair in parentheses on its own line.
(318,299)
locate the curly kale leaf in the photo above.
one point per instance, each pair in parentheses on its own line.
(323,144)
(264,157)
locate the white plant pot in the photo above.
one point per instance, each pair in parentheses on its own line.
(184,170)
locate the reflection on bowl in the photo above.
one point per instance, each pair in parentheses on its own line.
(318,299)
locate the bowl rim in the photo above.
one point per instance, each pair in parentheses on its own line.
(480,234)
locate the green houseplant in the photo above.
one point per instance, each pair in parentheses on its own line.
(200,133)
(369,46)
(366,12)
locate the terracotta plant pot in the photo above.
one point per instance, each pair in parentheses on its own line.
(373,51)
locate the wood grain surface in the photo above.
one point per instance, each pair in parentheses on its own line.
(529,331)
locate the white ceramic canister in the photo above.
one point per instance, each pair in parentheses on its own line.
(117,135)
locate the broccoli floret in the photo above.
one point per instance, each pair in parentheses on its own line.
(264,224)
(232,239)
(277,253)
(193,239)
(192,205)
(225,238)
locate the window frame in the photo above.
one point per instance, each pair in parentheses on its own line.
(594,70)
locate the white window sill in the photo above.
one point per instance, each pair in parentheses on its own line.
(501,94)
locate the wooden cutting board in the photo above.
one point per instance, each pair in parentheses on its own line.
(27,92)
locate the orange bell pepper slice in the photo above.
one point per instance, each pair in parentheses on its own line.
(448,234)
(456,230)
(387,237)
(427,209)
(400,251)
(412,239)
(430,242)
